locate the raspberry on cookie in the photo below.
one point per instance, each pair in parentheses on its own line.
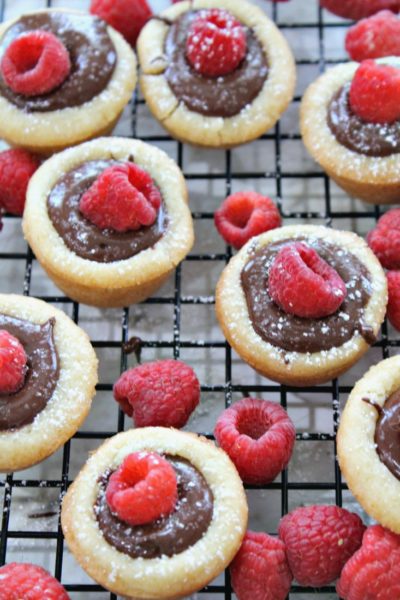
(258,436)
(13,363)
(16,168)
(260,570)
(319,540)
(374,94)
(215,74)
(245,214)
(24,580)
(373,572)
(374,37)
(163,393)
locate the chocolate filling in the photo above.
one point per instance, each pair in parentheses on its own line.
(296,334)
(168,535)
(83,237)
(91,52)
(387,434)
(223,96)
(20,408)
(371,139)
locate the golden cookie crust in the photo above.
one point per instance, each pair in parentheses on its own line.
(72,397)
(195,128)
(370,481)
(373,179)
(164,577)
(52,131)
(118,283)
(303,368)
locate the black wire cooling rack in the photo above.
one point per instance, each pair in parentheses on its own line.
(329,211)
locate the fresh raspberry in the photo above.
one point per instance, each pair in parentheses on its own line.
(374,37)
(303,284)
(215,43)
(244,215)
(260,570)
(163,393)
(359,9)
(393,309)
(143,489)
(258,436)
(375,92)
(23,581)
(35,63)
(319,540)
(16,168)
(124,198)
(384,240)
(373,572)
(13,362)
(126,16)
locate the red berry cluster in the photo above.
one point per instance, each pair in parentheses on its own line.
(13,363)
(143,489)
(375,92)
(24,581)
(35,63)
(126,16)
(358,9)
(16,168)
(374,37)
(124,198)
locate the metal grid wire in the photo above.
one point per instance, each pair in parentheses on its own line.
(175,344)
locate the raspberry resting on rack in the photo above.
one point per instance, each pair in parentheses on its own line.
(243,215)
(373,572)
(258,436)
(384,240)
(375,92)
(303,284)
(143,489)
(374,37)
(319,541)
(124,198)
(358,9)
(16,168)
(13,363)
(216,43)
(24,581)
(162,393)
(260,570)
(35,63)
(126,16)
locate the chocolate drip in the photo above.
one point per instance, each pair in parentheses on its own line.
(223,96)
(371,139)
(83,237)
(168,535)
(91,51)
(387,434)
(295,334)
(19,409)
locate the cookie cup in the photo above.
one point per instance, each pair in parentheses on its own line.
(370,481)
(371,178)
(72,397)
(295,368)
(52,131)
(217,132)
(164,577)
(118,283)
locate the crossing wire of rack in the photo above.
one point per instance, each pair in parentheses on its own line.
(176,300)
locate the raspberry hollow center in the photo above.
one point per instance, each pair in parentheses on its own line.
(253,423)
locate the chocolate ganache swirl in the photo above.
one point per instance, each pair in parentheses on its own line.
(295,334)
(91,51)
(20,408)
(223,96)
(387,433)
(84,238)
(168,535)
(370,139)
